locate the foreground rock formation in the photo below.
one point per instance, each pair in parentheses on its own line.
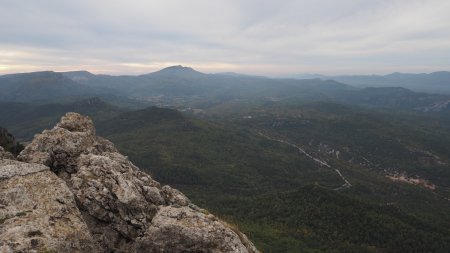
(72,191)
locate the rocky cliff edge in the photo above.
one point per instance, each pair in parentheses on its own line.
(72,191)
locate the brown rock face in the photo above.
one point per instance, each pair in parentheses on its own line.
(113,205)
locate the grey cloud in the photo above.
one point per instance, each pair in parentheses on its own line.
(329,36)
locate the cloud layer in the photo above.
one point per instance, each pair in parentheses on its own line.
(249,36)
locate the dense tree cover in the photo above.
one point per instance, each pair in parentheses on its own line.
(413,142)
(283,200)
(313,218)
(193,152)
(25,120)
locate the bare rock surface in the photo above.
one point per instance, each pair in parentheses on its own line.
(113,205)
(10,168)
(38,212)
(172,227)
(5,154)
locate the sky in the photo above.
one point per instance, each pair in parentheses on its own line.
(264,37)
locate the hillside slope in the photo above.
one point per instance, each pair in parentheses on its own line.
(26,119)
(92,199)
(235,171)
(225,163)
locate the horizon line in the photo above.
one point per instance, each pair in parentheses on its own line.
(288,75)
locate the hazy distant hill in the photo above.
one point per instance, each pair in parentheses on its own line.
(185,81)
(39,86)
(184,87)
(436,82)
(396,97)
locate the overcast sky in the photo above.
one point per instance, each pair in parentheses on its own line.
(265,37)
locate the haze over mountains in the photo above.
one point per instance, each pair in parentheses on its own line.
(435,82)
(298,165)
(184,86)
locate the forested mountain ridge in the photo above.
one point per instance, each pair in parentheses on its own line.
(185,87)
(39,86)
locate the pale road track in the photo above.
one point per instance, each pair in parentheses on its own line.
(346,184)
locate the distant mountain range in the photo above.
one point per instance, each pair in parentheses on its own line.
(39,86)
(436,82)
(185,81)
(184,87)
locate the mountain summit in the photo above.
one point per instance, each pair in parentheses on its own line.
(178,71)
(72,191)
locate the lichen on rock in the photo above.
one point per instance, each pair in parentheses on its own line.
(115,206)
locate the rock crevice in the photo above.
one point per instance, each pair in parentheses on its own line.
(115,206)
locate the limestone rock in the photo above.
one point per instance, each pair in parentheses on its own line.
(5,154)
(186,230)
(38,212)
(112,204)
(12,168)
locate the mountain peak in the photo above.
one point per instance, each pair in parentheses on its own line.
(78,76)
(78,72)
(178,70)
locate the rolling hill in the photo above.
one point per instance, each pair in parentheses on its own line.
(183,87)
(436,82)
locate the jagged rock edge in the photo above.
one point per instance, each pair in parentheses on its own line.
(82,127)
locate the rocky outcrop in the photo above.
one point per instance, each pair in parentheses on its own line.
(5,154)
(82,195)
(38,212)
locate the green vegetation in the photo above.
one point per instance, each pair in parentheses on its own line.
(313,219)
(282,199)
(26,120)
(182,151)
